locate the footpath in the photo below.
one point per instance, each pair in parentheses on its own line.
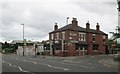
(110,62)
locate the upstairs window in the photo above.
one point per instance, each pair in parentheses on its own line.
(57,36)
(93,37)
(52,36)
(82,37)
(70,38)
(103,38)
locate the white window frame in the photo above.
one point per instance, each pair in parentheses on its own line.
(52,36)
(104,37)
(82,36)
(57,36)
(70,37)
(94,35)
(63,35)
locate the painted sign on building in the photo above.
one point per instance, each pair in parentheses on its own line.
(74,41)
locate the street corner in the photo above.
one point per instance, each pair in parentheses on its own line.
(109,63)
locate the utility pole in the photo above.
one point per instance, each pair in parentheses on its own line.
(23,39)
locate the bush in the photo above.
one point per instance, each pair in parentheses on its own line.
(8,50)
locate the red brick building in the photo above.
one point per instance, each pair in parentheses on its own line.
(73,40)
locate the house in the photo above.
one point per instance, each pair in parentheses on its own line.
(74,40)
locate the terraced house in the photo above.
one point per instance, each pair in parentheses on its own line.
(74,40)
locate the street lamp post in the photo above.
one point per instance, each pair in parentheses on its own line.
(67,20)
(23,39)
(118,2)
(51,48)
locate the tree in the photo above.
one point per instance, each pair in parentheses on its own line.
(110,43)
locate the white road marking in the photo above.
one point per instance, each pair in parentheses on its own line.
(10,64)
(34,62)
(44,64)
(15,66)
(49,66)
(62,63)
(60,68)
(71,64)
(22,69)
(77,63)
(70,61)
(66,69)
(57,62)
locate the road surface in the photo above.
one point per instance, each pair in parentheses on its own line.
(15,63)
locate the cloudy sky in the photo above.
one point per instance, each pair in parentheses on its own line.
(39,16)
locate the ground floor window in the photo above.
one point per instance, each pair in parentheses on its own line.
(81,47)
(95,47)
(57,46)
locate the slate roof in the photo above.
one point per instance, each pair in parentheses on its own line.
(80,29)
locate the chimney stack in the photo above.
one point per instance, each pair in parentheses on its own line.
(74,24)
(97,27)
(87,26)
(55,26)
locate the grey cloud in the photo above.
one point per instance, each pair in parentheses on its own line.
(37,26)
(100,8)
(39,18)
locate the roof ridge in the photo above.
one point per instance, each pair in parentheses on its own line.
(80,29)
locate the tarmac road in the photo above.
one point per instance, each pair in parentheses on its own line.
(15,63)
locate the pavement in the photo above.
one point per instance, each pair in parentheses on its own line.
(109,63)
